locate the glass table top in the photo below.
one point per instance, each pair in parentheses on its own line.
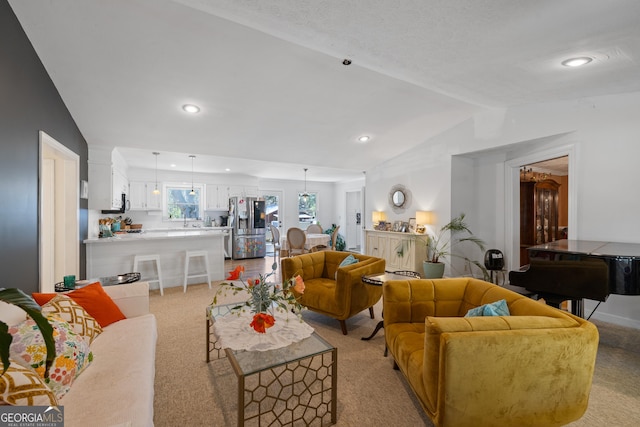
(255,361)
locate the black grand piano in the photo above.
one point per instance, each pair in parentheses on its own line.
(578,269)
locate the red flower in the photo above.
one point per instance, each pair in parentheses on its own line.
(235,274)
(262,321)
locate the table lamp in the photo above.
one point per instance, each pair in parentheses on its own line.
(377,216)
(423,218)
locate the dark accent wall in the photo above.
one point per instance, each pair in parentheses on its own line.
(29,102)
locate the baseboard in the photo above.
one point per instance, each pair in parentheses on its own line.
(616,320)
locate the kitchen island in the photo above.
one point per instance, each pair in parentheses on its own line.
(114,255)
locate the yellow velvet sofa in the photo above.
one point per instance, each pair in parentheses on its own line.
(531,368)
(332,290)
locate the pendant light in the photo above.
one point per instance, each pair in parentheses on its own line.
(305,195)
(193,192)
(156,191)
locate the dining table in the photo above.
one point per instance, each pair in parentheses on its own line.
(312,240)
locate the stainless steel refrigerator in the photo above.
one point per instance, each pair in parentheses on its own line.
(247,218)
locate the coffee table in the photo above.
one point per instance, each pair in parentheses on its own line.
(296,384)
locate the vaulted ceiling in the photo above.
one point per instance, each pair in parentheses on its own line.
(274,94)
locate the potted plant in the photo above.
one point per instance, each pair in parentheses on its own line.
(25,302)
(439,247)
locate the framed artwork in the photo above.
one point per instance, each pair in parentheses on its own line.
(397,226)
(412,225)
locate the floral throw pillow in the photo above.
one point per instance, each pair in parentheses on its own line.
(72,352)
(20,386)
(76,316)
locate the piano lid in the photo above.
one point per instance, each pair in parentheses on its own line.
(623,260)
(570,246)
(629,250)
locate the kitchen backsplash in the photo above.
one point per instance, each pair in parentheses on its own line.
(151,220)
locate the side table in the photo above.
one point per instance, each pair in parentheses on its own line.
(378,280)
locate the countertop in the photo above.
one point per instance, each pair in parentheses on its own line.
(164,233)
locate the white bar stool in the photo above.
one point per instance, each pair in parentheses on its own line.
(195,254)
(155,258)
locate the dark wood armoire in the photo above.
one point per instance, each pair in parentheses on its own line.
(538,214)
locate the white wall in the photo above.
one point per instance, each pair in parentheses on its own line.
(603,131)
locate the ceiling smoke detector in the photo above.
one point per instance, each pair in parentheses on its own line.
(346,62)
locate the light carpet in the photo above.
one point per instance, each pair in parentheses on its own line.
(190,392)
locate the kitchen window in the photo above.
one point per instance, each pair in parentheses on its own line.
(181,205)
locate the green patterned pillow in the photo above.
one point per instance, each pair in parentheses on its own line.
(498,308)
(72,352)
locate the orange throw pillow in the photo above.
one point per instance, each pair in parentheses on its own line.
(93,299)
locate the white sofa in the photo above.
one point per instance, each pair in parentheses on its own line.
(117,387)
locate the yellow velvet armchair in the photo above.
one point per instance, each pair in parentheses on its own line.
(531,368)
(332,290)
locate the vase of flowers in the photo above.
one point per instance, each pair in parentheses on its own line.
(264,296)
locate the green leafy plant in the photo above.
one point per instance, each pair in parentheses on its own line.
(440,244)
(25,302)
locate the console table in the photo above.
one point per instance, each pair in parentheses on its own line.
(401,251)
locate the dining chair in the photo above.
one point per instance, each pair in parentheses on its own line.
(275,236)
(314,229)
(296,238)
(331,243)
(334,238)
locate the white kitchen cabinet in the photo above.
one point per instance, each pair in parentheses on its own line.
(217,197)
(154,201)
(251,191)
(138,195)
(223,197)
(243,191)
(236,191)
(120,185)
(142,198)
(401,251)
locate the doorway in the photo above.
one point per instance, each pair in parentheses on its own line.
(512,201)
(354,221)
(59,223)
(543,203)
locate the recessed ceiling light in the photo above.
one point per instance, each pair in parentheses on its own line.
(364,138)
(577,62)
(228,170)
(190,108)
(173,165)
